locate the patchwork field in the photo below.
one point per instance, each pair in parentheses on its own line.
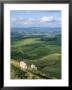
(43,52)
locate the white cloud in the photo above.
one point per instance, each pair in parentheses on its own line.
(36,20)
(46,19)
(25,21)
(13,19)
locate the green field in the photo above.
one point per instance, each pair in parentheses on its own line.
(44,53)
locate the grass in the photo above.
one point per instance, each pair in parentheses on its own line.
(45,55)
(32,49)
(23,42)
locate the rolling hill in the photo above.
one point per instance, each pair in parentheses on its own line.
(39,47)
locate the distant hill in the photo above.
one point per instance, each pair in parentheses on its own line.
(17,33)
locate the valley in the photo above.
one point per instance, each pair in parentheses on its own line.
(38,46)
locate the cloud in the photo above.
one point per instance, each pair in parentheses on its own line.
(36,20)
(25,21)
(13,19)
(46,19)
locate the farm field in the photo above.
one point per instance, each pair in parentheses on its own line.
(43,50)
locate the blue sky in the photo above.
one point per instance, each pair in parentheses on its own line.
(35,18)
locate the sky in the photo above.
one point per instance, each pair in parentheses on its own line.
(35,18)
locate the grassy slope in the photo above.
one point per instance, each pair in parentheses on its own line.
(34,51)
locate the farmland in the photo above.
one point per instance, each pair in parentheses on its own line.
(39,47)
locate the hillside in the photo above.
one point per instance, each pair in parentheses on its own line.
(48,68)
(44,52)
